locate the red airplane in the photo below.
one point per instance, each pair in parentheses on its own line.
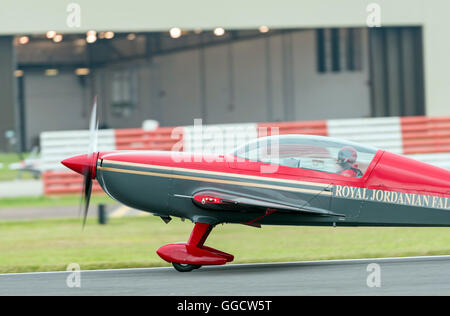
(278,180)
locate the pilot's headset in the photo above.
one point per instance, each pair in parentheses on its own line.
(347,155)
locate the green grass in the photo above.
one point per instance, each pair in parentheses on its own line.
(5,173)
(47,245)
(49,201)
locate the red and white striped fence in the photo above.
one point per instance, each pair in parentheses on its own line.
(423,138)
(56,146)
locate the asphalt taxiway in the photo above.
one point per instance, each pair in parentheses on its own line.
(389,276)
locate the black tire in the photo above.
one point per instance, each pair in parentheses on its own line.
(185,267)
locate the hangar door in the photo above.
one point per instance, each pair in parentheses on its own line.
(396,71)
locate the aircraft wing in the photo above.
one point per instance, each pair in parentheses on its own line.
(215,200)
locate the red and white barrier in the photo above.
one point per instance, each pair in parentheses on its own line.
(425,134)
(302,127)
(427,139)
(163,138)
(423,138)
(63,182)
(56,146)
(217,139)
(384,133)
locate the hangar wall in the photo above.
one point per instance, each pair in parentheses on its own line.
(64,110)
(136,15)
(7,89)
(265,79)
(139,15)
(245,81)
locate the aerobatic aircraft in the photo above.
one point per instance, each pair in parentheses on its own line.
(299,180)
(31,164)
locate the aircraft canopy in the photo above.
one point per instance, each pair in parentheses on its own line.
(307,152)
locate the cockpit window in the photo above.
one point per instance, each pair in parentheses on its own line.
(310,152)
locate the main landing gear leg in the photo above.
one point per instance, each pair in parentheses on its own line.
(197,239)
(192,255)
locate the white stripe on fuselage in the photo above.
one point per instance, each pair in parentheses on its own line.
(216,173)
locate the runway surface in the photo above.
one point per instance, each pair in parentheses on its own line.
(21,188)
(399,276)
(27,213)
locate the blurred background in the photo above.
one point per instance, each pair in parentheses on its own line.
(225,62)
(375,72)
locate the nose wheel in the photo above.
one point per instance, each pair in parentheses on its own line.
(180,267)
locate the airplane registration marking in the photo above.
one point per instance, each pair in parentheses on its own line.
(393,197)
(217,173)
(205,179)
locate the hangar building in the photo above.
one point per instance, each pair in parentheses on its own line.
(224,62)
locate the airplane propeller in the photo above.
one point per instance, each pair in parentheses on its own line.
(89,171)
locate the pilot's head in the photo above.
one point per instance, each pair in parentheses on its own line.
(347,155)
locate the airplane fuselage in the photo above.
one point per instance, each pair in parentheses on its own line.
(391,193)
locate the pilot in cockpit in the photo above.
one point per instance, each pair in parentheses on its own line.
(347,162)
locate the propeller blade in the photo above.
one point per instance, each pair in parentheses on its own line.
(92,150)
(87,190)
(93,129)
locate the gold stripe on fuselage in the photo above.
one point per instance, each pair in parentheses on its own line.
(212,180)
(215,173)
